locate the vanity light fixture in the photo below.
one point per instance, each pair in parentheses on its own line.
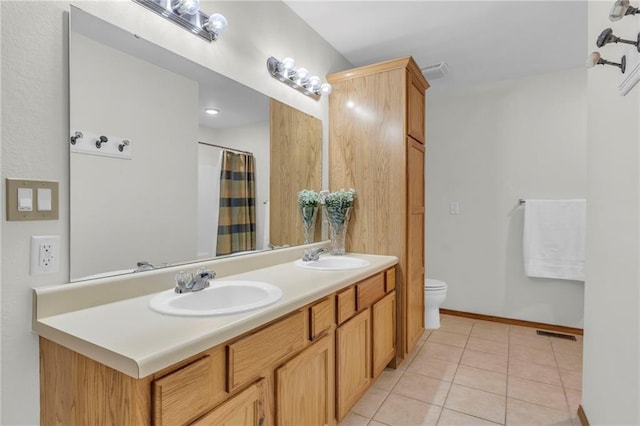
(212,111)
(297,78)
(607,37)
(595,59)
(187,14)
(620,9)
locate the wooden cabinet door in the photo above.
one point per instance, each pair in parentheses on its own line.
(415,107)
(383,335)
(244,409)
(414,302)
(305,387)
(353,361)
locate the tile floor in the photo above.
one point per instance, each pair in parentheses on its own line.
(473,372)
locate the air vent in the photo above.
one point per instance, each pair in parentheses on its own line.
(432,72)
(558,335)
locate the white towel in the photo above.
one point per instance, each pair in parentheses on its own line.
(554,238)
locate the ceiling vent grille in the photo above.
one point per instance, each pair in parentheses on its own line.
(432,72)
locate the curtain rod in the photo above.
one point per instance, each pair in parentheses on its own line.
(226,147)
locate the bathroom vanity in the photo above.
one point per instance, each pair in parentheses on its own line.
(107,358)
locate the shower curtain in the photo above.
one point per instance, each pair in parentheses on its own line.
(237,218)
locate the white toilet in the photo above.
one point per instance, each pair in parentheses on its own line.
(435,291)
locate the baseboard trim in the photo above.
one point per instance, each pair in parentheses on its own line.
(582,416)
(532,324)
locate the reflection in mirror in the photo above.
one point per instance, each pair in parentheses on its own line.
(160,203)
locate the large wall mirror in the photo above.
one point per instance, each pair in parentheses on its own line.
(161,203)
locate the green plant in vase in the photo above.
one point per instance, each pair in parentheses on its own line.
(309,201)
(337,209)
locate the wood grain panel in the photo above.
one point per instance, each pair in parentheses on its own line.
(295,164)
(321,317)
(370,290)
(390,280)
(244,409)
(346,304)
(305,387)
(353,361)
(415,108)
(251,355)
(383,336)
(75,390)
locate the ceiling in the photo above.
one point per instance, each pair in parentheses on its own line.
(480,41)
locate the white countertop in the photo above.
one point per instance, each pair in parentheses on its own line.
(133,339)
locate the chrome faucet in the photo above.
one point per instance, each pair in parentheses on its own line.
(144,266)
(313,254)
(187,282)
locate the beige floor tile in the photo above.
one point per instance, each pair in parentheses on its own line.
(569,361)
(398,410)
(423,388)
(454,418)
(494,334)
(567,347)
(485,380)
(425,335)
(370,402)
(491,325)
(574,399)
(485,361)
(533,371)
(477,403)
(488,346)
(446,338)
(388,379)
(538,356)
(571,379)
(374,423)
(352,419)
(536,342)
(440,351)
(519,330)
(459,328)
(433,367)
(536,392)
(448,319)
(525,413)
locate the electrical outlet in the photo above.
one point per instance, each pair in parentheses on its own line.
(44,254)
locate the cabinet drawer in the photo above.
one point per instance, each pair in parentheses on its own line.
(321,317)
(370,291)
(346,304)
(253,354)
(390,280)
(182,395)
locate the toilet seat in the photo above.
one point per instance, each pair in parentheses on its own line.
(433,284)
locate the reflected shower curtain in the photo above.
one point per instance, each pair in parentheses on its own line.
(237,219)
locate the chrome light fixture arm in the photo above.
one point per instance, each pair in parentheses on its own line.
(297,78)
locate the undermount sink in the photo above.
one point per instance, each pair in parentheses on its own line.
(222,297)
(333,263)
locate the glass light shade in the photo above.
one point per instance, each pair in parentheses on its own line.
(618,10)
(325,89)
(303,75)
(187,7)
(216,24)
(314,82)
(288,64)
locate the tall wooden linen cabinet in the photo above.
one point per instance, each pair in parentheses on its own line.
(376,146)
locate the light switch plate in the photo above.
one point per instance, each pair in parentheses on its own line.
(13,211)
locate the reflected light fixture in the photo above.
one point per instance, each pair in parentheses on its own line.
(187,14)
(607,37)
(595,59)
(212,111)
(297,78)
(620,9)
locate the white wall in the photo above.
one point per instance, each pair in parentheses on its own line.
(132,200)
(611,366)
(253,138)
(487,147)
(35,129)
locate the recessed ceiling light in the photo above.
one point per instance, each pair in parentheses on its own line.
(212,111)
